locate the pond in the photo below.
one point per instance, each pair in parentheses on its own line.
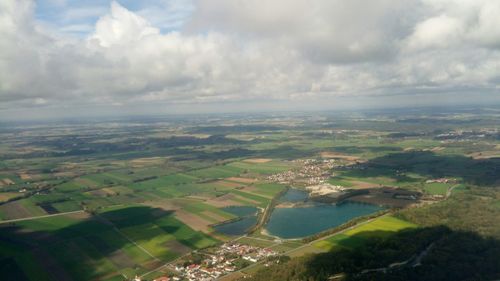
(248,219)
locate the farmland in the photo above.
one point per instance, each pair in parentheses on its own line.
(113,199)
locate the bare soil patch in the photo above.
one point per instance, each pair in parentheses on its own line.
(228,184)
(177,247)
(25,176)
(5,196)
(14,210)
(363,184)
(192,220)
(8,181)
(163,204)
(335,155)
(242,180)
(257,160)
(141,162)
(223,201)
(80,216)
(120,259)
(215,216)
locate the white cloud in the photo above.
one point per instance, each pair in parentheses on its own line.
(122,27)
(252,51)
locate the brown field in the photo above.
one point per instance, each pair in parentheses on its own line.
(335,155)
(119,258)
(192,220)
(363,184)
(242,180)
(227,184)
(224,201)
(257,160)
(25,176)
(177,247)
(5,196)
(166,205)
(200,197)
(7,181)
(81,215)
(103,192)
(214,216)
(14,210)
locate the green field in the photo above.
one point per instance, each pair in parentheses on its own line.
(75,244)
(354,237)
(146,186)
(437,188)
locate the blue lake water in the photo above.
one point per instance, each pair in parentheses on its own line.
(248,215)
(303,221)
(294,195)
(298,221)
(239,227)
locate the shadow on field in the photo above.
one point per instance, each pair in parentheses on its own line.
(426,163)
(90,248)
(434,253)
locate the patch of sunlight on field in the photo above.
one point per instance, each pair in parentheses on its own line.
(354,237)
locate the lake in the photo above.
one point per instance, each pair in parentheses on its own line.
(304,221)
(298,221)
(248,219)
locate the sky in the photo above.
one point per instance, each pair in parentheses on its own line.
(98,57)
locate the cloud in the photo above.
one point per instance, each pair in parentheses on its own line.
(250,52)
(122,26)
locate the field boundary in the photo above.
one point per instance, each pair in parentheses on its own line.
(42,217)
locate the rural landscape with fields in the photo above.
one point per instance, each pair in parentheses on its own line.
(249,140)
(232,196)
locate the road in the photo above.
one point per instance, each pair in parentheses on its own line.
(41,217)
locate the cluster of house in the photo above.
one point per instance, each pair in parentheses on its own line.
(222,262)
(469,134)
(441,180)
(313,171)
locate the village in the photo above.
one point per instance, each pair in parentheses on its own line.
(214,263)
(311,172)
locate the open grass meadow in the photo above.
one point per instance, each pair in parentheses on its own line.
(379,227)
(437,188)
